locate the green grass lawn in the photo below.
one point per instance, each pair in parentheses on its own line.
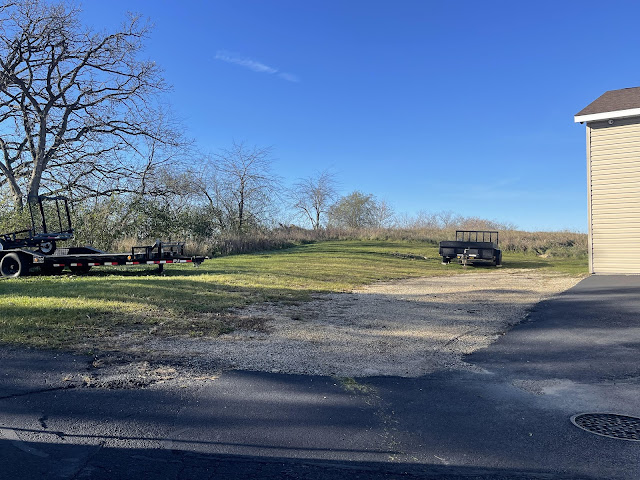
(64,311)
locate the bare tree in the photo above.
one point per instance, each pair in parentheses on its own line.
(384,214)
(75,105)
(242,187)
(209,189)
(311,197)
(153,165)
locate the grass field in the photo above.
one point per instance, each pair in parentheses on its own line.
(66,310)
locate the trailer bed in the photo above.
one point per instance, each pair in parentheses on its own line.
(18,262)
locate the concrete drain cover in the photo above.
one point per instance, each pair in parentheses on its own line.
(609,425)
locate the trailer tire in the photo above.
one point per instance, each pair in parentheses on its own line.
(80,269)
(14,265)
(47,248)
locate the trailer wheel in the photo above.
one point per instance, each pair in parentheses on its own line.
(80,269)
(13,266)
(47,248)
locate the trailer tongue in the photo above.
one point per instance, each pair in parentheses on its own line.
(36,247)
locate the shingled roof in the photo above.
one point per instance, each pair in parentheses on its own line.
(612,104)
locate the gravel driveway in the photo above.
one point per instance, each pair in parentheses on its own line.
(406,328)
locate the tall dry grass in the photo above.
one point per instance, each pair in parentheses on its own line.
(552,244)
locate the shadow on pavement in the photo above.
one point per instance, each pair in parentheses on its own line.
(589,333)
(99,462)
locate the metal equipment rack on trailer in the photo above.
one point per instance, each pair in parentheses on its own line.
(472,246)
(22,250)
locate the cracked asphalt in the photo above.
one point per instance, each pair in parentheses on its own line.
(508,418)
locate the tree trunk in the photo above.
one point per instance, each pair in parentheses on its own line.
(240,211)
(16,193)
(34,183)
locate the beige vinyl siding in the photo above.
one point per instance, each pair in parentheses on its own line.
(614,190)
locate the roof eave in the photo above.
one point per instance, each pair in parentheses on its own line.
(632,112)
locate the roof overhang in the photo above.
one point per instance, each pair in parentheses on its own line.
(632,112)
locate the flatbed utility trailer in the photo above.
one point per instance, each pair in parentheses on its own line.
(472,246)
(24,250)
(19,262)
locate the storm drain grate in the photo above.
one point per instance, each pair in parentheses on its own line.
(609,425)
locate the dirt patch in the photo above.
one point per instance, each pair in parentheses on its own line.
(406,328)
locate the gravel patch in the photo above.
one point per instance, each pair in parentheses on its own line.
(404,328)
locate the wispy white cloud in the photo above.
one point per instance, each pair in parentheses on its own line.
(244,62)
(289,77)
(253,65)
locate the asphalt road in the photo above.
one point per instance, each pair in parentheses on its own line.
(509,419)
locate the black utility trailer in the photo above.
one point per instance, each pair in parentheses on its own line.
(472,246)
(22,250)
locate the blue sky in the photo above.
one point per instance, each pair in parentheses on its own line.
(464,106)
